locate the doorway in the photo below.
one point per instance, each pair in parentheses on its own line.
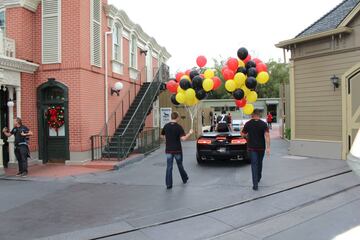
(53,122)
(4,120)
(353,107)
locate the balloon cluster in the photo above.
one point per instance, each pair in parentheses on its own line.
(241,76)
(192,86)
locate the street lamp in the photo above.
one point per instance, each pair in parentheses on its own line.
(117,88)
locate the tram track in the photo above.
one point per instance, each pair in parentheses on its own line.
(241,203)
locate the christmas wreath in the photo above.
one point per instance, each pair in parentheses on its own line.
(55,117)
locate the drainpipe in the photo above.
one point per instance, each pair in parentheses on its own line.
(106,79)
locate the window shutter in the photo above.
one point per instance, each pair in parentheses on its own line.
(96,33)
(51,42)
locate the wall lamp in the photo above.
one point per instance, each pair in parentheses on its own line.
(335,81)
(117,88)
(143,52)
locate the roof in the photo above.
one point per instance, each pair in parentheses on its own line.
(331,20)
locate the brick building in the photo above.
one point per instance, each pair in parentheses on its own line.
(52,55)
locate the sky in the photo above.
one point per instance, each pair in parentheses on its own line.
(217,29)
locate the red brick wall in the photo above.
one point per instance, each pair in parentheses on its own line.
(85,82)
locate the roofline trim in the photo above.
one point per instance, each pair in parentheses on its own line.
(350,16)
(286,43)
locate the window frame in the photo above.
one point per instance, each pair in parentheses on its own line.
(133,59)
(117,53)
(4,11)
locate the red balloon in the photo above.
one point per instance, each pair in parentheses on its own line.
(178,76)
(257,61)
(240,103)
(228,74)
(261,67)
(217,82)
(248,58)
(172,86)
(201,61)
(188,72)
(223,69)
(233,64)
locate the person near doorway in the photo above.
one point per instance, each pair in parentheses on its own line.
(258,139)
(230,117)
(269,119)
(22,152)
(223,123)
(174,134)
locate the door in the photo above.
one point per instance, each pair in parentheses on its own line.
(4,119)
(353,107)
(53,122)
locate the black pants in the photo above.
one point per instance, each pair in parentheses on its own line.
(22,153)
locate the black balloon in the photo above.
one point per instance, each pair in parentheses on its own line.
(201,94)
(239,94)
(173,99)
(194,73)
(242,70)
(185,84)
(251,83)
(250,64)
(252,72)
(197,82)
(242,53)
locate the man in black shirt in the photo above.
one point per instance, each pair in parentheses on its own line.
(258,139)
(22,134)
(223,123)
(174,134)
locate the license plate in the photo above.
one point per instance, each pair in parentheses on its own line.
(222,150)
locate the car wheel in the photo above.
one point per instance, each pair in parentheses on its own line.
(199,160)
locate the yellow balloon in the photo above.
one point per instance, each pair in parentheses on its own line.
(180,97)
(180,90)
(185,77)
(190,101)
(245,89)
(241,63)
(239,79)
(209,73)
(190,93)
(263,77)
(248,109)
(252,97)
(230,85)
(208,84)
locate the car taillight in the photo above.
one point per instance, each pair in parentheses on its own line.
(204,141)
(238,141)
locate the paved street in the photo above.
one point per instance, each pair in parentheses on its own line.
(298,197)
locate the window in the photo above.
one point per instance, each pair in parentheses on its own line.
(3,22)
(133,52)
(117,43)
(96,33)
(51,31)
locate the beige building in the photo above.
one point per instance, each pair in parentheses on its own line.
(325,83)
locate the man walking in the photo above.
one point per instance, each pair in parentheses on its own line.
(22,134)
(174,134)
(258,139)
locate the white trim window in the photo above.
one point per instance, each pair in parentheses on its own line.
(95,34)
(133,52)
(3,22)
(117,43)
(51,31)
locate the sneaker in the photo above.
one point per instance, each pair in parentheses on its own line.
(169,187)
(24,175)
(255,188)
(18,174)
(186,181)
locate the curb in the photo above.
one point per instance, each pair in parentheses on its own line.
(128,161)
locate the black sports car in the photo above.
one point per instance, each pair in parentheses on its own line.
(221,146)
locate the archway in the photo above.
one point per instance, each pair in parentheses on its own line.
(53,142)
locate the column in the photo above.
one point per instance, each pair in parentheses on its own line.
(18,101)
(11,139)
(1,157)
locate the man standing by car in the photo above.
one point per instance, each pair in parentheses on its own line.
(22,134)
(174,134)
(223,123)
(258,139)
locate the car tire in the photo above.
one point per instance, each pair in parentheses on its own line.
(199,160)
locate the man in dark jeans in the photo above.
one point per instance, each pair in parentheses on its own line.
(174,134)
(258,139)
(22,134)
